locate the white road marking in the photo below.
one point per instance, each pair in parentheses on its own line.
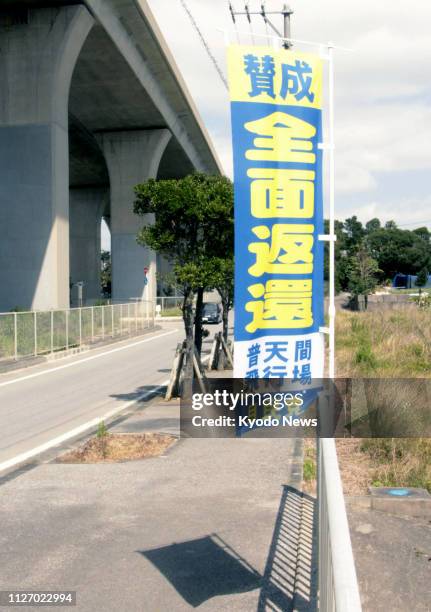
(22,457)
(71,365)
(76,431)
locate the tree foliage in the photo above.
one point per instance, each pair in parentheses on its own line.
(191,224)
(106,273)
(422,277)
(392,248)
(362,272)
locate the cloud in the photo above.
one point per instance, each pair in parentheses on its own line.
(417,212)
(383,93)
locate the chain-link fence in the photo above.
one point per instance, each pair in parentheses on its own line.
(26,334)
(170,306)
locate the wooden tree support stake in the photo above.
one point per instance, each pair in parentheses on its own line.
(174,381)
(215,353)
(226,350)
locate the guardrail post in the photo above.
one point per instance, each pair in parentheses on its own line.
(112,318)
(15,335)
(80,327)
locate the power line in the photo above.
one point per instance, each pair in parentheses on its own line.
(204,42)
(286,12)
(414,223)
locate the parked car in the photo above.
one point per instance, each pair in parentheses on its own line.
(211,313)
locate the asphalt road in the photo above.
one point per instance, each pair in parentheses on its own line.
(45,402)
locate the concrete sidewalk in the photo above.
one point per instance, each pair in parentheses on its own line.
(215,524)
(393,560)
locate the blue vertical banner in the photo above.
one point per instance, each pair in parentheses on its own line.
(276,109)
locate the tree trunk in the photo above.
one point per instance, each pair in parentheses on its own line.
(198,320)
(225,304)
(188,325)
(225,318)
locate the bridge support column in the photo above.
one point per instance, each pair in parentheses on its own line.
(132,157)
(37,60)
(86,210)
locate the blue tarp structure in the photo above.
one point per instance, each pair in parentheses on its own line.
(407,281)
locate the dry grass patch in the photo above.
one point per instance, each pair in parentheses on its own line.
(399,462)
(386,343)
(111,448)
(356,467)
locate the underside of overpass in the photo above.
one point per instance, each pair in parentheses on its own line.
(91,104)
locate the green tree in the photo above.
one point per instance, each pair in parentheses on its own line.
(422,278)
(373,225)
(106,273)
(398,250)
(390,225)
(354,233)
(342,252)
(193,223)
(424,233)
(363,272)
(223,280)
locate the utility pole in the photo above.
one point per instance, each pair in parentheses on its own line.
(286,13)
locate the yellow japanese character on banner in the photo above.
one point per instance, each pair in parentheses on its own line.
(288,250)
(276,192)
(286,304)
(285,139)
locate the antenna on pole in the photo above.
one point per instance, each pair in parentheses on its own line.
(286,13)
(232,12)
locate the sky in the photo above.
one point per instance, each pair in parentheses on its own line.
(383,92)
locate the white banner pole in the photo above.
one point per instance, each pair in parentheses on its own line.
(331,310)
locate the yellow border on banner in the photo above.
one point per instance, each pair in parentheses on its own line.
(240,81)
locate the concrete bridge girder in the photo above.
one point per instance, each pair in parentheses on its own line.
(91,101)
(35,72)
(86,207)
(132,157)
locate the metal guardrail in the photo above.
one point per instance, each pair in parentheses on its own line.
(26,334)
(338,583)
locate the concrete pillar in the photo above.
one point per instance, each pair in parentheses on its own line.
(132,157)
(36,64)
(86,210)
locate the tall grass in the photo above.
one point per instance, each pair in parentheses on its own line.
(391,344)
(384,344)
(400,462)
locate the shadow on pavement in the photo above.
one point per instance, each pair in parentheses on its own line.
(203,568)
(208,567)
(290,577)
(148,391)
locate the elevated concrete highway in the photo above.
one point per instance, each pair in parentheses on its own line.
(91,103)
